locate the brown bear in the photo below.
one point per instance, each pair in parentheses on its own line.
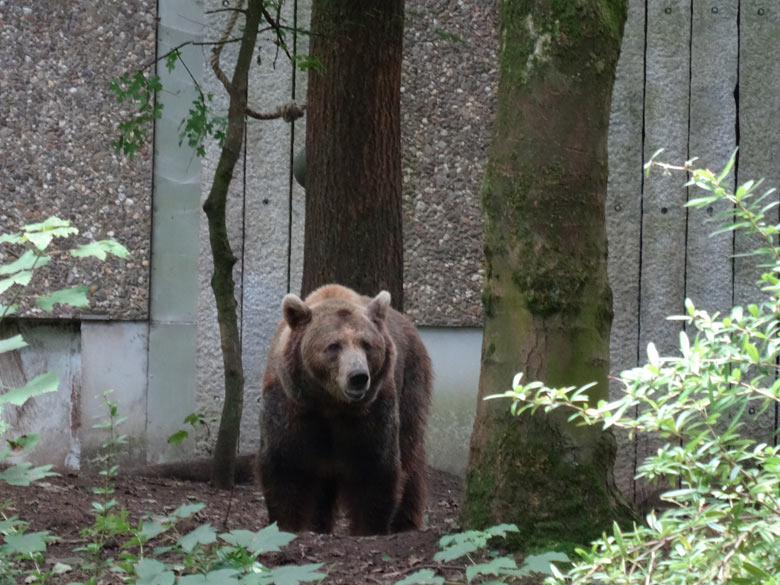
(344,407)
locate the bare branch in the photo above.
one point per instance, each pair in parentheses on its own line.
(218,49)
(288,112)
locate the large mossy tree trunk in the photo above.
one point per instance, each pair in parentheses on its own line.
(353,232)
(547,300)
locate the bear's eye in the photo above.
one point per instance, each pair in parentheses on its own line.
(333,347)
(366,345)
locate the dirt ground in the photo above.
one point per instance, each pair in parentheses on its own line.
(62,506)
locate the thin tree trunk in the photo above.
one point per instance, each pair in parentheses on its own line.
(547,299)
(222,280)
(353,232)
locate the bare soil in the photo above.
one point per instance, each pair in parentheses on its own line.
(62,505)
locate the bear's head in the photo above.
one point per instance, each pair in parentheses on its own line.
(342,345)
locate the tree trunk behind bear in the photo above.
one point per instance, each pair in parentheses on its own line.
(547,300)
(353,232)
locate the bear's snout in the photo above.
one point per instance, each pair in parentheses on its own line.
(357,384)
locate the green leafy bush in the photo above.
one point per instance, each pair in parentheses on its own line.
(722,524)
(198,557)
(30,248)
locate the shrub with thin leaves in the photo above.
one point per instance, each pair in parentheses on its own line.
(722,524)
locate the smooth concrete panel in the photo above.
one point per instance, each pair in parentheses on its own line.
(175,228)
(171,394)
(455,353)
(54,416)
(114,356)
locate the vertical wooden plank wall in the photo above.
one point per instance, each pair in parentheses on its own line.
(624,216)
(759,154)
(714,45)
(710,77)
(662,275)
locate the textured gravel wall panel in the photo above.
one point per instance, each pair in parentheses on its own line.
(268,211)
(211,382)
(759,128)
(714,45)
(624,215)
(448,90)
(55,137)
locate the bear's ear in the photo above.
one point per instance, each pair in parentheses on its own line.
(295,311)
(377,307)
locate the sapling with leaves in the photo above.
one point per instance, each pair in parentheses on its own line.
(722,522)
(254,19)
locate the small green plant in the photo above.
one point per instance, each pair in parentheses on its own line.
(30,249)
(156,551)
(199,426)
(499,569)
(723,520)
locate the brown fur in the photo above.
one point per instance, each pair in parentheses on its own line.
(327,438)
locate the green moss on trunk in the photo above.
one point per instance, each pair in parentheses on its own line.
(548,303)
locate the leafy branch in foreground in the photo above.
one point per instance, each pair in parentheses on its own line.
(723,520)
(30,247)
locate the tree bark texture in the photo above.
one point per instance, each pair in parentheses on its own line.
(353,233)
(547,300)
(222,283)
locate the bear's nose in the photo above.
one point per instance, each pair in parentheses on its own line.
(357,383)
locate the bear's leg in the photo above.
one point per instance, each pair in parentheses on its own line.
(324,507)
(290,501)
(371,502)
(409,515)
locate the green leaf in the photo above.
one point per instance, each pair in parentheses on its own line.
(652,355)
(203,534)
(422,577)
(25,544)
(74,297)
(26,261)
(502,529)
(24,474)
(152,528)
(269,539)
(42,384)
(12,343)
(294,574)
(100,249)
(152,572)
(6,310)
(752,352)
(187,510)
(21,278)
(15,238)
(495,567)
(727,169)
(455,551)
(218,577)
(542,563)
(178,437)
